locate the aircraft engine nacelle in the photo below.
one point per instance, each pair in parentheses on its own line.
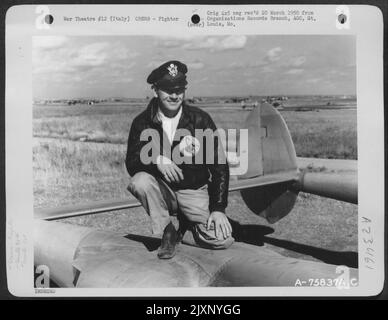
(87,258)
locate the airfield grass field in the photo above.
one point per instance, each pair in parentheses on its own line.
(79,152)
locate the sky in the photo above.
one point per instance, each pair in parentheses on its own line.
(237,65)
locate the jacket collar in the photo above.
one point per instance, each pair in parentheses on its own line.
(152,109)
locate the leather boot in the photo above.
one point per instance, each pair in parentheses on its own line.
(169,241)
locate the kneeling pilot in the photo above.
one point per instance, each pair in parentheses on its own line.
(196,192)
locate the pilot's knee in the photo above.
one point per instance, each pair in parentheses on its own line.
(207,238)
(222,244)
(142,182)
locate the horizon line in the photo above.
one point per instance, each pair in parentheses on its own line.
(202,96)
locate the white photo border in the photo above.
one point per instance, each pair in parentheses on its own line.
(366,24)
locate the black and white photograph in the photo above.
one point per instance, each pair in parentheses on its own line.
(192,161)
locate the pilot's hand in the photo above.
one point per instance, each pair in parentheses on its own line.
(170,171)
(222,227)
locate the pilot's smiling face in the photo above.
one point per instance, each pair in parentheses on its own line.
(171,100)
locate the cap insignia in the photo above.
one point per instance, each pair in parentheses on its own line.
(172,70)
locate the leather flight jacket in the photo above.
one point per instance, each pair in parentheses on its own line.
(214,173)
